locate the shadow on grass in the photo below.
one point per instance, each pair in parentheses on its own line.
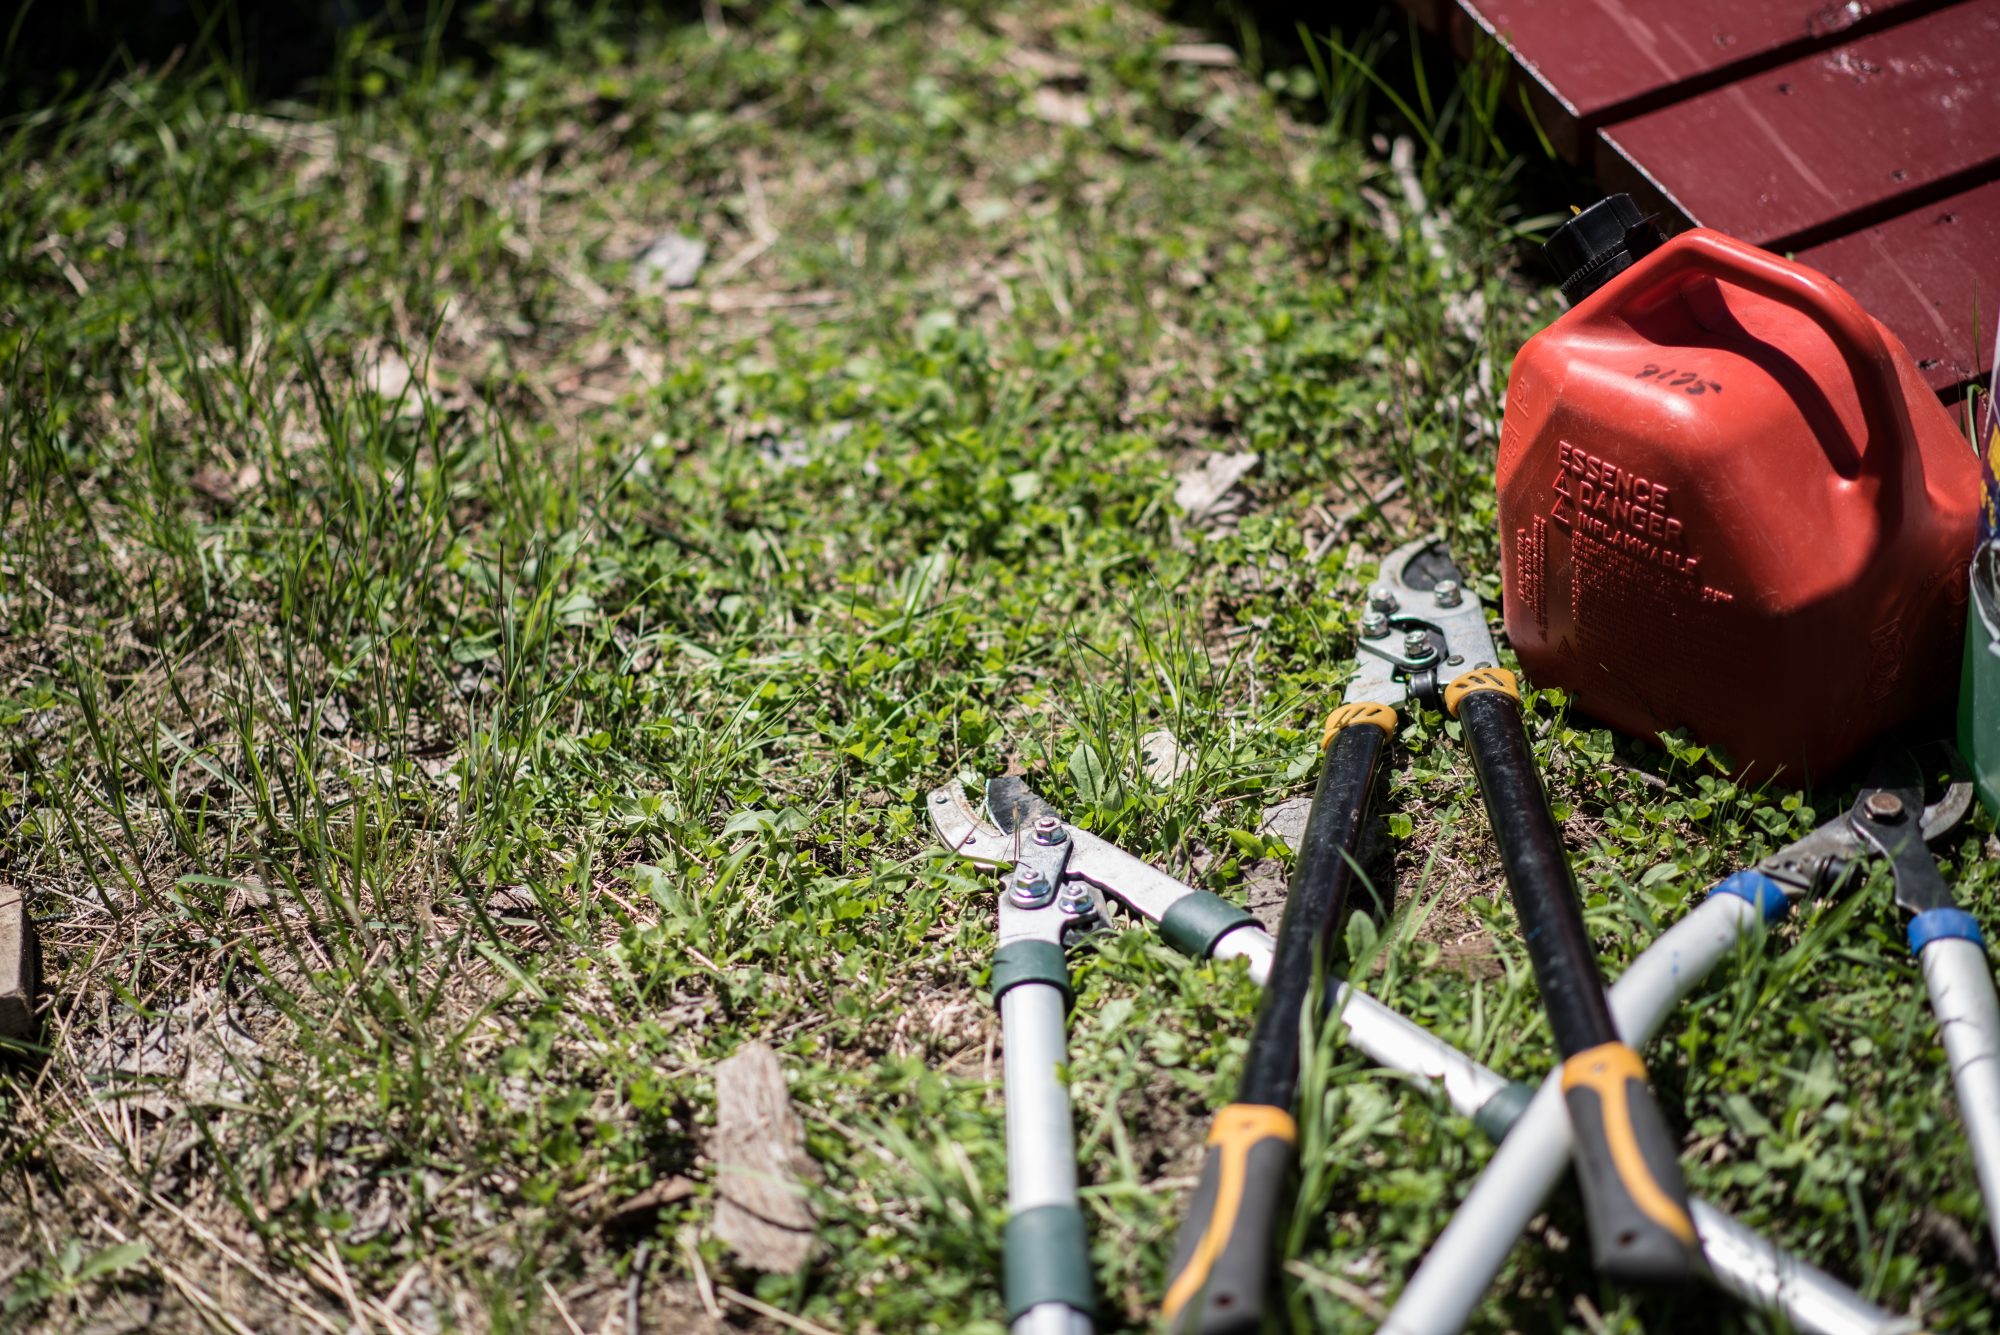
(274,48)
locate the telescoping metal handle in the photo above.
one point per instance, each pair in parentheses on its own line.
(1626,1160)
(1948,945)
(1046,1248)
(1441,1297)
(1220,1277)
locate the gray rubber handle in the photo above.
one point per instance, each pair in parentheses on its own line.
(1633,1196)
(1222,1267)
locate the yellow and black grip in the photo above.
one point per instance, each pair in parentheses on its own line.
(1226,1252)
(1626,1162)
(1640,1231)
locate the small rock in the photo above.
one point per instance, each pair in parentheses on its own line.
(1201,487)
(19,961)
(388,376)
(391,379)
(222,486)
(250,895)
(672,261)
(203,1050)
(371,1204)
(223,1056)
(1264,891)
(511,901)
(1060,108)
(1286,821)
(1164,760)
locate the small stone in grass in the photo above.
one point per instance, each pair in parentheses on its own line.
(1163,757)
(672,261)
(1286,820)
(511,901)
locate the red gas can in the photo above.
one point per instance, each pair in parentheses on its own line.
(1728,503)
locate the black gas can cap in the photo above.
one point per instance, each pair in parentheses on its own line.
(1598,244)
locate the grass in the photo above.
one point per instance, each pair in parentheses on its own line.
(456,693)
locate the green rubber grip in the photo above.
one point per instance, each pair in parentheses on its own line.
(1496,1116)
(1046,1259)
(1222,1266)
(1640,1230)
(1020,962)
(1194,923)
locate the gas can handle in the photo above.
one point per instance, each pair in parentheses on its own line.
(1891,456)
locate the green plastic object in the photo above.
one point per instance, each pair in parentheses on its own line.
(1196,922)
(1979,691)
(1045,1258)
(1031,961)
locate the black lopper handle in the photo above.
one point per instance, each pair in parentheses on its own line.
(1626,1162)
(1222,1267)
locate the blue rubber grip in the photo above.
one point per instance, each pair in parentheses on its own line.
(1763,893)
(1943,925)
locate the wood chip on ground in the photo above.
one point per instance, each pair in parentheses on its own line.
(761,1209)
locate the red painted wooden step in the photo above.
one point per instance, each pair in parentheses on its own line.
(1861,135)
(1933,276)
(1807,150)
(1594,61)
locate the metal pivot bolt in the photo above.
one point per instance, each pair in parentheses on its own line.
(1075,899)
(1049,830)
(1447,593)
(1031,888)
(1381,598)
(1374,624)
(1416,645)
(1884,806)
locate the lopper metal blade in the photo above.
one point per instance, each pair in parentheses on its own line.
(1422,628)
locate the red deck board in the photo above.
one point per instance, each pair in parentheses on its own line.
(1593,61)
(1864,136)
(1933,276)
(1821,145)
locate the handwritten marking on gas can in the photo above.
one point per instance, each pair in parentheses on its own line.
(1688,382)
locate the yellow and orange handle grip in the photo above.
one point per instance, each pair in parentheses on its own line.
(1358,714)
(1640,1230)
(1225,1256)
